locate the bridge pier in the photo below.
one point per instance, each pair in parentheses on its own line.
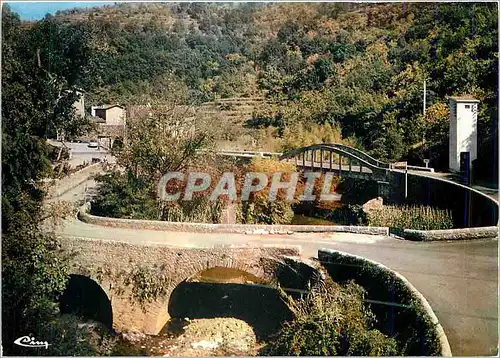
(384,189)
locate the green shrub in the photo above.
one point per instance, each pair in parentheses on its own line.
(348,215)
(407,323)
(198,210)
(331,320)
(345,215)
(125,196)
(411,217)
(262,211)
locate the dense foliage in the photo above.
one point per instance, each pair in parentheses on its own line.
(122,195)
(357,67)
(350,73)
(408,322)
(38,88)
(259,209)
(157,142)
(331,320)
(133,194)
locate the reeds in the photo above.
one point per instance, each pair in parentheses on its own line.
(411,217)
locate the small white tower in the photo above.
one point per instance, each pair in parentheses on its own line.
(463,129)
(79,104)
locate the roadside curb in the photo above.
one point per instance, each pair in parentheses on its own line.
(474,233)
(488,232)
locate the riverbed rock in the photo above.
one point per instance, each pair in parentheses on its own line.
(373,204)
(133,336)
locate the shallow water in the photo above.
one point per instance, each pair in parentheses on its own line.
(306,220)
(225,275)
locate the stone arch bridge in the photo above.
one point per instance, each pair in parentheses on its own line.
(134,283)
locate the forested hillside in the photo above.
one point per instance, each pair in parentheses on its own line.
(268,75)
(359,68)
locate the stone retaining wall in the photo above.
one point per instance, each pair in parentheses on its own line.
(84,216)
(61,186)
(386,285)
(487,232)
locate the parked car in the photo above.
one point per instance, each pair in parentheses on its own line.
(93,144)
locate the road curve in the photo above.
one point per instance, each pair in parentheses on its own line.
(459,279)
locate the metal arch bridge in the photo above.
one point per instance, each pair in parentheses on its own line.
(338,158)
(343,159)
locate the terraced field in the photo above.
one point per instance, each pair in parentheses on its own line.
(229,116)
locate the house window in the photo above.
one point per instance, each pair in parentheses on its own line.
(467,106)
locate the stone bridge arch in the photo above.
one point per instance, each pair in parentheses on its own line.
(86,298)
(250,295)
(110,262)
(262,268)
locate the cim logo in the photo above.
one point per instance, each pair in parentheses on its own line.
(30,342)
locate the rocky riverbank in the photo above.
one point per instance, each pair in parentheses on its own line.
(199,337)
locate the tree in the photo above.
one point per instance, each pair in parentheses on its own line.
(161,140)
(34,270)
(387,142)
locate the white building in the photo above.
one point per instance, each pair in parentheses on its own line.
(463,129)
(79,104)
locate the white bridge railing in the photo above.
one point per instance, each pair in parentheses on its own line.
(250,154)
(403,166)
(244,154)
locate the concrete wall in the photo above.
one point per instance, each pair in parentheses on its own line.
(108,263)
(115,116)
(61,186)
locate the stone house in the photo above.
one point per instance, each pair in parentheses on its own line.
(110,120)
(113,114)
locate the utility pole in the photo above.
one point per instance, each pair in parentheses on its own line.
(406,180)
(425,96)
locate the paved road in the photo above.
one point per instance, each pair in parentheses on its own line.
(81,152)
(459,279)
